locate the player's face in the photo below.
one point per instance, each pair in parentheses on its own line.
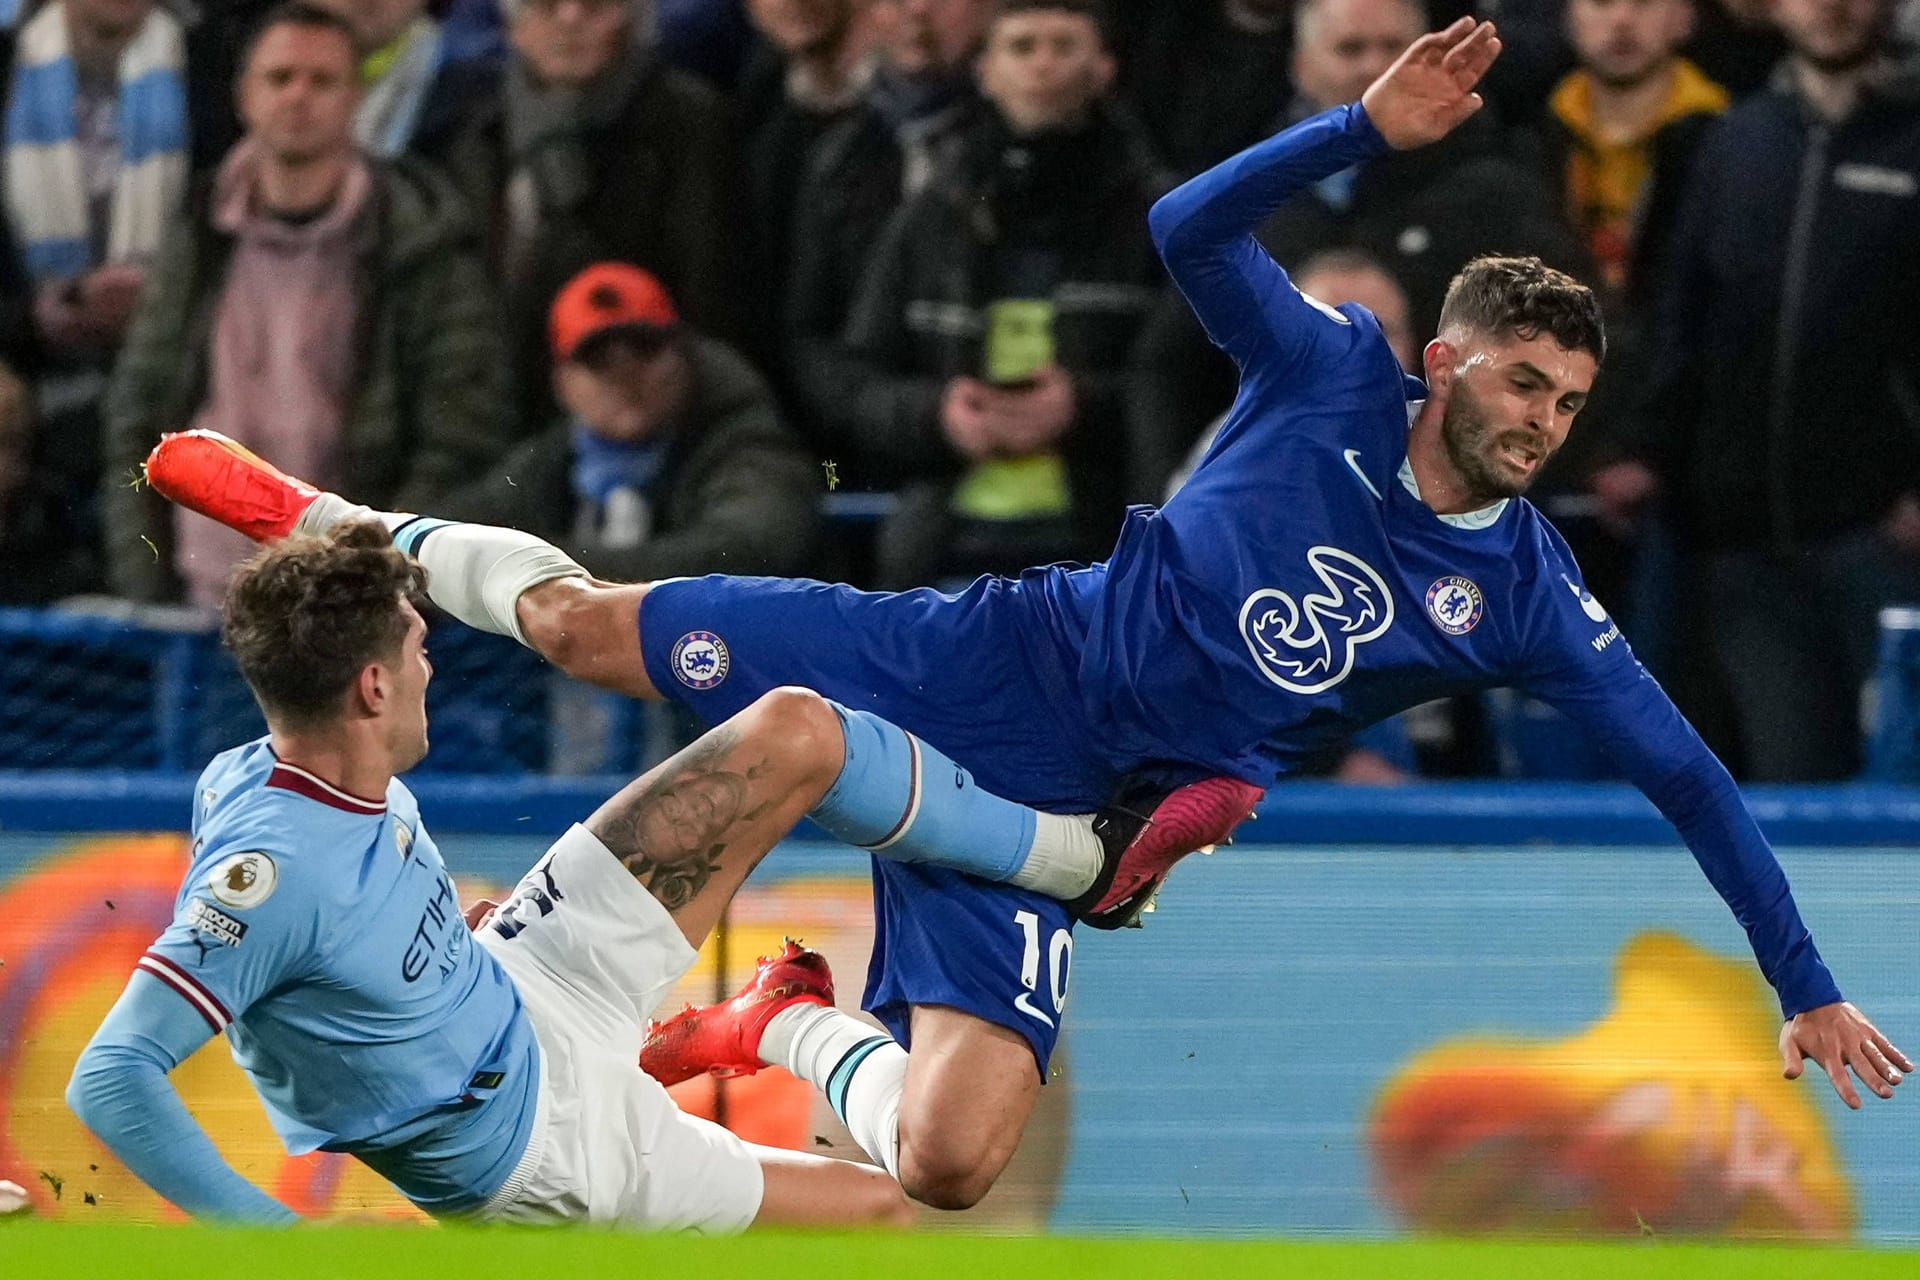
(407,734)
(1511,405)
(299,91)
(1044,68)
(1622,42)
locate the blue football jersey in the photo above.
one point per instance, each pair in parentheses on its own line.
(320,931)
(1297,588)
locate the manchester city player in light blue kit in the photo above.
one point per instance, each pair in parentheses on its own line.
(492,1076)
(1354,543)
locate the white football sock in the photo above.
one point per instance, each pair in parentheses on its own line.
(478,573)
(1065,858)
(859,1067)
(330,509)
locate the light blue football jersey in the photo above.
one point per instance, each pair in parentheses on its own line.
(320,931)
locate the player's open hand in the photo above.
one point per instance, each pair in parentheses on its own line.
(1838,1036)
(1428,91)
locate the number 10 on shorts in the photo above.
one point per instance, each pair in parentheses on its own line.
(1059,957)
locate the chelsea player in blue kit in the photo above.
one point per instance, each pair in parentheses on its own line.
(1353,544)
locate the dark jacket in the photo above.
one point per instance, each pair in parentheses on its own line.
(665,194)
(1787,388)
(919,320)
(430,411)
(852,185)
(1201,87)
(736,493)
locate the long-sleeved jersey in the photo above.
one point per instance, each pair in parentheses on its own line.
(1297,588)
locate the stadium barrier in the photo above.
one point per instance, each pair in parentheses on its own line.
(1439,1008)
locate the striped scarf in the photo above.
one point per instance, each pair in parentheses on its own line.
(46,197)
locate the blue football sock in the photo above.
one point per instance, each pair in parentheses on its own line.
(900,799)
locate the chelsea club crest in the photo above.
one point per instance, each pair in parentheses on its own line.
(1455,605)
(700,659)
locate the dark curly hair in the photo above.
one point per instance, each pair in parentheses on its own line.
(305,617)
(1525,297)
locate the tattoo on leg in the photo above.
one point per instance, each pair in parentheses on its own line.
(673,833)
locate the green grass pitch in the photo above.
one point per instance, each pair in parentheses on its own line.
(38,1250)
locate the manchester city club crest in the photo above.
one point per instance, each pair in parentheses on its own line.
(700,659)
(1455,605)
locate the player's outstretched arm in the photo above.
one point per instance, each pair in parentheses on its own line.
(1602,688)
(1204,229)
(120,1091)
(1839,1037)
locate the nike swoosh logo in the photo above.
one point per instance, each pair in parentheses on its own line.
(1020,1003)
(1353,461)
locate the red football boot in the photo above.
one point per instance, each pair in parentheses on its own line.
(1145,835)
(724,1039)
(223,480)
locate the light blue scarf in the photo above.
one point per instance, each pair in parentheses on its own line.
(46,197)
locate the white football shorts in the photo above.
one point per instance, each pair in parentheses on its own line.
(593,953)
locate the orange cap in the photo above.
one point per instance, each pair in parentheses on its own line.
(607,295)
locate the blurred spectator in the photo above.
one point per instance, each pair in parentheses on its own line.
(95,166)
(41,559)
(595,150)
(1621,134)
(1789,358)
(921,101)
(1425,212)
(1736,43)
(1422,214)
(329,309)
(672,460)
(1207,77)
(416,91)
(811,74)
(989,349)
(1619,141)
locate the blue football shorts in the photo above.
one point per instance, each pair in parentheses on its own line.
(978,676)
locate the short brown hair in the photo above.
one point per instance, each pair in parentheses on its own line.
(1525,297)
(304,618)
(296,13)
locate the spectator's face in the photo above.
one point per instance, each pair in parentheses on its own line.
(298,93)
(376,23)
(931,37)
(1511,405)
(629,391)
(1044,68)
(1377,292)
(1344,45)
(802,26)
(1834,35)
(569,43)
(109,15)
(1622,42)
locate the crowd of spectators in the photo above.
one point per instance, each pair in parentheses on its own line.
(652,277)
